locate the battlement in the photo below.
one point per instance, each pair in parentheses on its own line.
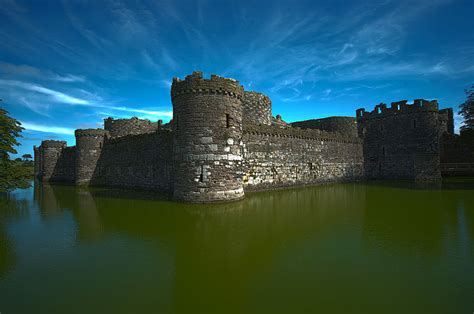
(91,132)
(308,134)
(196,84)
(345,125)
(53,144)
(134,126)
(262,99)
(136,138)
(397,108)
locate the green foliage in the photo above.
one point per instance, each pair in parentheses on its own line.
(10,129)
(467,111)
(13,173)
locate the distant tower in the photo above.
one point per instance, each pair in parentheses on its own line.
(257,109)
(36,161)
(89,145)
(49,154)
(207,128)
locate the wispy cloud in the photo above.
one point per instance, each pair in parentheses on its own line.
(55,95)
(46,128)
(60,97)
(24,70)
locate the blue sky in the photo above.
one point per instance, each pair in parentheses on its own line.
(67,65)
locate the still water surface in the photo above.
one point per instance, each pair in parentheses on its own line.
(347,248)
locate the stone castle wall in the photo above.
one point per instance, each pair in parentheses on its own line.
(401,142)
(137,161)
(133,126)
(223,141)
(257,109)
(345,125)
(65,167)
(275,157)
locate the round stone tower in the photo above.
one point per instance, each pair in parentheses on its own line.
(207,132)
(50,152)
(257,109)
(89,145)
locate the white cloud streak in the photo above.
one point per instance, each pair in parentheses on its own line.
(63,98)
(46,128)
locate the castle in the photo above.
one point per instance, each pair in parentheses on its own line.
(223,141)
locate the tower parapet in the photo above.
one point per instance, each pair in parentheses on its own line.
(133,126)
(397,108)
(401,142)
(207,132)
(49,154)
(89,144)
(257,108)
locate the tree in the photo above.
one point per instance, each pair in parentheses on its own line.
(27,157)
(467,111)
(10,129)
(13,174)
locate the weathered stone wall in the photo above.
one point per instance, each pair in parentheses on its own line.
(345,125)
(65,167)
(401,142)
(276,157)
(207,128)
(457,149)
(89,144)
(50,152)
(446,120)
(138,161)
(133,126)
(257,109)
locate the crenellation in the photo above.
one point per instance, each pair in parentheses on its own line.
(223,141)
(133,126)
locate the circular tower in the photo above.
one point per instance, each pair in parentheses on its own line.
(89,145)
(257,109)
(50,152)
(207,132)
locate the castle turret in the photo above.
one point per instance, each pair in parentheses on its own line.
(402,141)
(257,109)
(49,154)
(207,128)
(89,145)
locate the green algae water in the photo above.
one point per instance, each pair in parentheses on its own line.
(346,248)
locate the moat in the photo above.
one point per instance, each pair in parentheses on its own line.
(342,248)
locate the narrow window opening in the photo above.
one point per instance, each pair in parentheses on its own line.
(201,175)
(414,124)
(383,151)
(310,165)
(100,145)
(227,120)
